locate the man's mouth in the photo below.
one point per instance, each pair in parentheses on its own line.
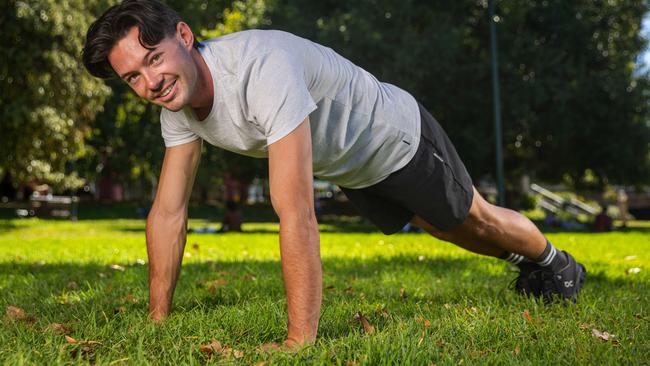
(166,91)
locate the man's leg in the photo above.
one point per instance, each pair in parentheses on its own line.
(491,230)
(496,231)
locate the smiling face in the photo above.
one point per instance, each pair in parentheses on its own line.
(166,74)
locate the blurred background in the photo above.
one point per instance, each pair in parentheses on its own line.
(573,79)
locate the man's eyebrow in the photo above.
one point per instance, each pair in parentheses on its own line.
(146,56)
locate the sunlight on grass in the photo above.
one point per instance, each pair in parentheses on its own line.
(428,301)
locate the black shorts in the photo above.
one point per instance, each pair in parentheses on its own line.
(434,185)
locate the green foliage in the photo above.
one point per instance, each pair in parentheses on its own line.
(571,101)
(574,103)
(59,272)
(126,137)
(238,16)
(48,100)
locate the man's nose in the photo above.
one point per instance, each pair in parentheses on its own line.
(154,80)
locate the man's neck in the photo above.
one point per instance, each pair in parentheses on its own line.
(202,104)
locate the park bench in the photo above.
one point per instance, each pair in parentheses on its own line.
(554,203)
(51,206)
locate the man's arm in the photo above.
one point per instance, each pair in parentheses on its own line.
(167,223)
(292,195)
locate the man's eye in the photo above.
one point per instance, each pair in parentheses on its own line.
(131,79)
(156,59)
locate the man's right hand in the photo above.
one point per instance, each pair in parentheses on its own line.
(166,225)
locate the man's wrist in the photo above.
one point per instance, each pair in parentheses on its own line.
(302,335)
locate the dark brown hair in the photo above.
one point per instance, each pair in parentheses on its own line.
(154,19)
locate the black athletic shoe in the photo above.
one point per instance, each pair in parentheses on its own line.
(565,283)
(529,281)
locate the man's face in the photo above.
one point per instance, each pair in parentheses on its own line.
(164,75)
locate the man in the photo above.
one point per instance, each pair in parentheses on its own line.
(312,113)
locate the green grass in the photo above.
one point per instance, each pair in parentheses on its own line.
(458,307)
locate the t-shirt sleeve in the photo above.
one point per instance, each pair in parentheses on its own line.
(175,131)
(277,95)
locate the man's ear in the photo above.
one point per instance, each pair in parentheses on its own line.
(185,35)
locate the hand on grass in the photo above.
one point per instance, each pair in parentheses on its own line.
(289,345)
(157,316)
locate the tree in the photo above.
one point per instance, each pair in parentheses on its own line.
(575,107)
(126,137)
(48,100)
(572,103)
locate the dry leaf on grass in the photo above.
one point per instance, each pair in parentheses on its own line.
(119,310)
(424,321)
(195,246)
(604,336)
(117,267)
(214,285)
(249,277)
(348,291)
(369,329)
(330,288)
(128,298)
(517,350)
(72,285)
(383,312)
(527,316)
(633,270)
(87,348)
(402,293)
(630,257)
(480,354)
(215,348)
(210,348)
(16,313)
(58,328)
(86,352)
(71,340)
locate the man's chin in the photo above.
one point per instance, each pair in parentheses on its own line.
(172,108)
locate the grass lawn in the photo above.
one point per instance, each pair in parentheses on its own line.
(428,301)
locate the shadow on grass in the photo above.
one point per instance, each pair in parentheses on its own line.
(7,225)
(635,226)
(67,289)
(326,228)
(374,277)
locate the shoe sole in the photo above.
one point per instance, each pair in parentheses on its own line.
(581,280)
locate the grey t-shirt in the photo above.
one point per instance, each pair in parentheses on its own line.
(267,82)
